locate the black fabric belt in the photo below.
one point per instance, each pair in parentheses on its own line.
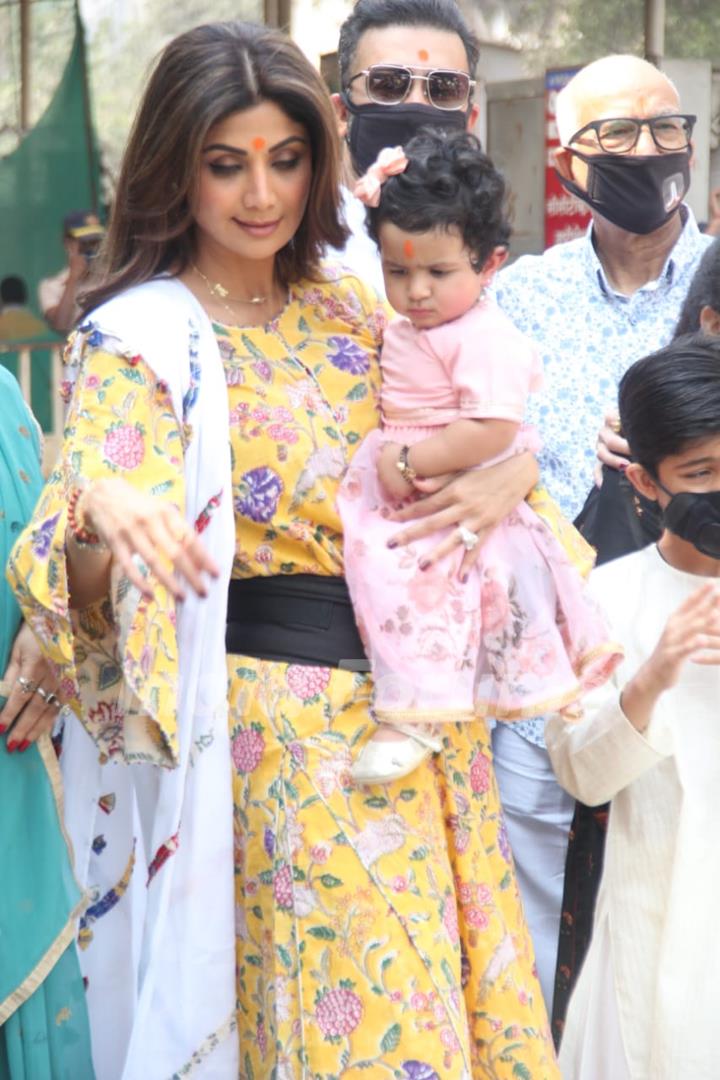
(296,619)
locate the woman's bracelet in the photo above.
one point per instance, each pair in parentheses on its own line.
(81,534)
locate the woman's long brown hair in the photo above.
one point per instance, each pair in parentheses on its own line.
(202,77)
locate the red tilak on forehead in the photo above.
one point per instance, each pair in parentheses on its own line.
(259,143)
(423,54)
(408,249)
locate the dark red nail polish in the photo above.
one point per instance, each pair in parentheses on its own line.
(11,746)
(463,579)
(624,466)
(3,728)
(424,565)
(23,745)
(392,543)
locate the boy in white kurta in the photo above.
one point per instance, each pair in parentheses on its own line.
(648,998)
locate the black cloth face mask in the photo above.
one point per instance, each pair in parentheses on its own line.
(636,192)
(695,516)
(373,127)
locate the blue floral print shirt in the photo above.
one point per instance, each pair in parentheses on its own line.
(588,336)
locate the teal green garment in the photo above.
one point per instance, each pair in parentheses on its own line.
(45,1035)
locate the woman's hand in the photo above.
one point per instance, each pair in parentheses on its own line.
(31,689)
(138,529)
(611,448)
(474,501)
(692,633)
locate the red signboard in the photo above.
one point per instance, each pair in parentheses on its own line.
(566,217)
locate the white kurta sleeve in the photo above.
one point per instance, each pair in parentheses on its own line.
(601,754)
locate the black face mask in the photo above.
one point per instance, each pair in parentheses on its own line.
(638,193)
(695,517)
(373,127)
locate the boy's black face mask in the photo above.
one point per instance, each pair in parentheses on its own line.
(695,517)
(638,193)
(373,127)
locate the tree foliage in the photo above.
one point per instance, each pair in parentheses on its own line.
(564,32)
(123,37)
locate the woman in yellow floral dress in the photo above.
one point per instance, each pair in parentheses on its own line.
(252,913)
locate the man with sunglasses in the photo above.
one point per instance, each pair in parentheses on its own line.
(403,64)
(593,306)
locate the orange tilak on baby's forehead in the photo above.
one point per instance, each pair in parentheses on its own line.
(408,248)
(423,54)
(259,143)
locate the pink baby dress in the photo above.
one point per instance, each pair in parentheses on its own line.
(521,638)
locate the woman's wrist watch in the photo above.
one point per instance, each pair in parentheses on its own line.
(404,467)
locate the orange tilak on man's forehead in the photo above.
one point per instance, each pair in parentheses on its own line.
(423,54)
(408,249)
(259,143)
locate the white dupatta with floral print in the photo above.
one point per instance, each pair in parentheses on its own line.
(160,964)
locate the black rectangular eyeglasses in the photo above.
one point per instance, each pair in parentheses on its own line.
(620,134)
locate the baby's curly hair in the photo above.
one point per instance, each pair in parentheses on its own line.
(449,181)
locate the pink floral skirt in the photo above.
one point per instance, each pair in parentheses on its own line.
(520,638)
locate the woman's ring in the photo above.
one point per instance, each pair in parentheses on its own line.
(49,698)
(27,685)
(615,425)
(468,538)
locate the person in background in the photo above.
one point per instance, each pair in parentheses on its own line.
(647,998)
(593,306)
(712,226)
(16,320)
(386,54)
(403,65)
(701,310)
(44,1032)
(58,295)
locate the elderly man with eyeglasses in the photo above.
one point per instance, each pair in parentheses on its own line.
(593,306)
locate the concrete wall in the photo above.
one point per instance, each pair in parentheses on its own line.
(315,25)
(516,143)
(694,81)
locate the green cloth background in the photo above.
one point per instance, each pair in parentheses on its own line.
(55,169)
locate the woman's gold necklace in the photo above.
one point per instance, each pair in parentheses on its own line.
(222,295)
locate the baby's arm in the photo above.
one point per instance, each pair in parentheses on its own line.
(461,445)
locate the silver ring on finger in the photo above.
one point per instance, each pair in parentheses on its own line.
(468,538)
(49,697)
(27,685)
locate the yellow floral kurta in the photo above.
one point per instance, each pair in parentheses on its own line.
(379,931)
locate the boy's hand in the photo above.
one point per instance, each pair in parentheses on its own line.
(691,633)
